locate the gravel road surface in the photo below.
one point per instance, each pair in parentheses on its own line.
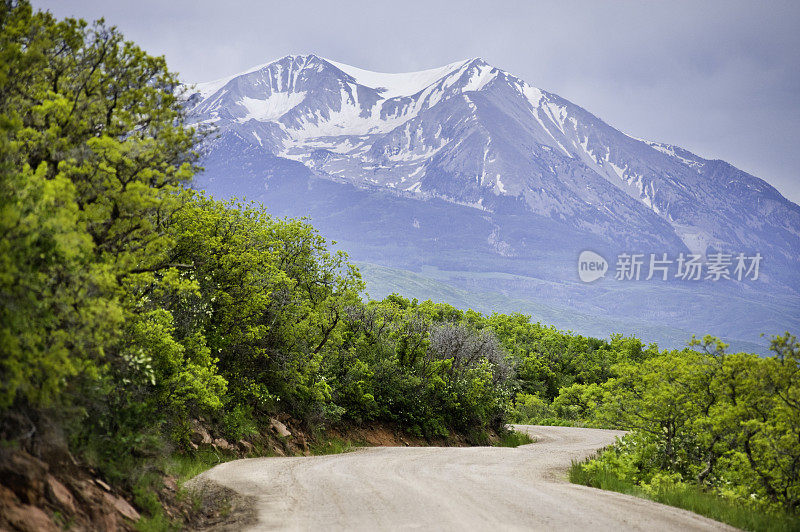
(446,488)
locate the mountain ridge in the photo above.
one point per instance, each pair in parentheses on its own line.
(535,178)
(378,137)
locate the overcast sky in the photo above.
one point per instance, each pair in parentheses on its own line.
(720,78)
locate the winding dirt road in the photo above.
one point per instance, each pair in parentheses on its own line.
(446,488)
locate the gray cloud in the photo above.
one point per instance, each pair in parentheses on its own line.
(721,78)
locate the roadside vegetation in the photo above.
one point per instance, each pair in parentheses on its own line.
(133,307)
(714,432)
(513,438)
(689,497)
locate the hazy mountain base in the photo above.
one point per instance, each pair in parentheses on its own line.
(527,266)
(472,134)
(482,292)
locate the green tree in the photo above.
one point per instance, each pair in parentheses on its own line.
(93,153)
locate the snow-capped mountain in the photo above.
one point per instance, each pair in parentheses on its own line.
(475,135)
(526,171)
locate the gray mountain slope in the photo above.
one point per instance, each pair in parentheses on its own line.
(468,168)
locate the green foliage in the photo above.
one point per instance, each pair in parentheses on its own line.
(420,364)
(530,409)
(512,438)
(334,445)
(727,423)
(270,300)
(93,155)
(578,401)
(548,360)
(239,422)
(668,489)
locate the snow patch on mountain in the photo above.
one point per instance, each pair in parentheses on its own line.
(396,85)
(479,77)
(272,107)
(207,88)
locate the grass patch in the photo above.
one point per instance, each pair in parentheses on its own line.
(154,517)
(184,466)
(513,438)
(334,445)
(159,522)
(710,505)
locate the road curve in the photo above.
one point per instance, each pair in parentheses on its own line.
(446,488)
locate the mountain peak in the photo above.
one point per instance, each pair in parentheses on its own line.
(388,84)
(207,88)
(391,85)
(477,61)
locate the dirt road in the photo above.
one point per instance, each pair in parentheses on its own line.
(453,488)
